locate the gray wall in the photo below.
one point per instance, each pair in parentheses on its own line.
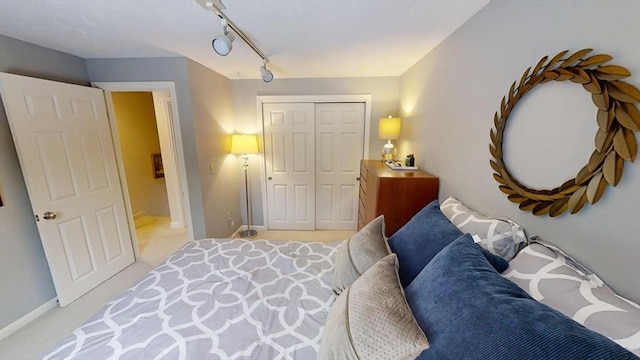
(208,113)
(163,69)
(25,281)
(383,90)
(213,123)
(449,97)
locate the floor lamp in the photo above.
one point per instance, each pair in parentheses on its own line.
(244,145)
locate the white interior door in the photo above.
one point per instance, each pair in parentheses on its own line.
(66,153)
(339,148)
(162,107)
(289,163)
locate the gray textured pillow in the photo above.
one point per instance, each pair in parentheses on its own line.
(359,253)
(558,281)
(372,320)
(502,237)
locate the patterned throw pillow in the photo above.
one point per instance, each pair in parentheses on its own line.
(359,253)
(557,280)
(372,320)
(502,237)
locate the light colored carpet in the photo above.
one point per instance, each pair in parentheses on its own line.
(318,235)
(156,238)
(156,242)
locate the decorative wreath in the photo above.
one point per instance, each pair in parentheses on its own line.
(618,119)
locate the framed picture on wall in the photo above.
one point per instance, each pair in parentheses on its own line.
(158,170)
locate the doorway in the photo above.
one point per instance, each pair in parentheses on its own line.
(149,171)
(146,131)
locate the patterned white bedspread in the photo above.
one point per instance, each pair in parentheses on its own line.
(217,299)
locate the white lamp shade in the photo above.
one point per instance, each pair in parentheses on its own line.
(244,144)
(389,128)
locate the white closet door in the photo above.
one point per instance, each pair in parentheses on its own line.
(64,145)
(289,145)
(339,148)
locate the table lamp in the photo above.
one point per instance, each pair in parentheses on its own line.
(389,129)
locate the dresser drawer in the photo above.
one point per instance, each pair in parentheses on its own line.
(398,195)
(363,181)
(361,209)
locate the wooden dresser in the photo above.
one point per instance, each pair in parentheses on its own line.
(396,194)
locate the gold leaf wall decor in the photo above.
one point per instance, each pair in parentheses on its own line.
(616,115)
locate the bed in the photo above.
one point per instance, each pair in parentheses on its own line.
(451,284)
(223,298)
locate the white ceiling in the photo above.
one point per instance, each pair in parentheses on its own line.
(301,38)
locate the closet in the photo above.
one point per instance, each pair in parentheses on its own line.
(312,156)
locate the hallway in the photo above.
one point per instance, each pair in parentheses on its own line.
(156,239)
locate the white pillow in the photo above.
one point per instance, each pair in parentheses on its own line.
(372,320)
(359,253)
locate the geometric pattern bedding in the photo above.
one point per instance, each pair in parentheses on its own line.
(555,279)
(217,299)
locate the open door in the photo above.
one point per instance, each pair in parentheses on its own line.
(64,144)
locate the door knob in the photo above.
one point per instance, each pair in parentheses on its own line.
(269,178)
(49,215)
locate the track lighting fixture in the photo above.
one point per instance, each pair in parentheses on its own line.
(222,44)
(267,75)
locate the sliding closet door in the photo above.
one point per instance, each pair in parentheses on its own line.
(312,159)
(289,145)
(339,148)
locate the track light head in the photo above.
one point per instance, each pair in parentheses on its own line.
(222,44)
(267,75)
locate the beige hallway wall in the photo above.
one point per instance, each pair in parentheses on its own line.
(138,135)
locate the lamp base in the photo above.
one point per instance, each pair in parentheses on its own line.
(388,152)
(248,233)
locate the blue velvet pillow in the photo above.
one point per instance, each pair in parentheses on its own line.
(419,240)
(469,311)
(498,263)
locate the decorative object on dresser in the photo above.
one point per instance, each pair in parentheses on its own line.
(244,145)
(398,165)
(617,117)
(398,195)
(389,129)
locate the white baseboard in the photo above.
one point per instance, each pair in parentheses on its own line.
(23,321)
(176,225)
(140,214)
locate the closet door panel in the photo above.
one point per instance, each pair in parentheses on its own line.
(339,148)
(290,165)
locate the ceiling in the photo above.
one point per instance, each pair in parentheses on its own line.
(301,38)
